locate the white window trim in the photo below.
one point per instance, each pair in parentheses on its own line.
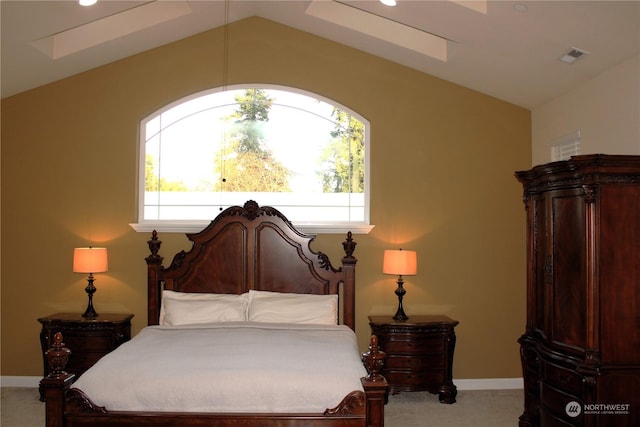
(196,226)
(190,226)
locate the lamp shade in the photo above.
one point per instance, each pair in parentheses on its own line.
(400,262)
(90,260)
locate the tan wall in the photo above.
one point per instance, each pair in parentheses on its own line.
(605,110)
(442,183)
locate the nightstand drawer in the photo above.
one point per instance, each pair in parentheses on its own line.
(434,361)
(83,361)
(416,346)
(415,378)
(88,342)
(419,353)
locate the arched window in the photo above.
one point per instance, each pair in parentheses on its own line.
(281,147)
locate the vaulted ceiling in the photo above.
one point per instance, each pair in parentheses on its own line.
(507,49)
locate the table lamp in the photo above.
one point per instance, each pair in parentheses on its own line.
(90,260)
(401,263)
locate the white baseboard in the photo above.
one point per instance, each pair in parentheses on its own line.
(8,381)
(489,384)
(462,384)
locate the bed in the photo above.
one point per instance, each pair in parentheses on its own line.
(292,360)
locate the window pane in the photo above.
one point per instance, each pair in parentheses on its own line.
(284,149)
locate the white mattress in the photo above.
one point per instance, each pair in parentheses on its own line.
(228,367)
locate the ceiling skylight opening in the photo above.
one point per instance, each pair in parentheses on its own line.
(112,27)
(87,2)
(479,6)
(388,2)
(381,28)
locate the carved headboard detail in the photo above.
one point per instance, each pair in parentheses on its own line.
(251,247)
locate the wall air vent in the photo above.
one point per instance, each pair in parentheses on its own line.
(572,55)
(566,146)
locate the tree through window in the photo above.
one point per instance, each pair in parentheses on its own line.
(283,148)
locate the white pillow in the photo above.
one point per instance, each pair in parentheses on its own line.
(278,307)
(183,308)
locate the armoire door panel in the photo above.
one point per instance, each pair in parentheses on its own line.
(569,270)
(541,269)
(620,274)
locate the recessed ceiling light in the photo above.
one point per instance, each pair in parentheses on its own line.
(388,2)
(87,2)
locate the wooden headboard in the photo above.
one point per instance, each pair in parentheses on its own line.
(251,247)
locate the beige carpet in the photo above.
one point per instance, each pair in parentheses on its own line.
(21,407)
(490,408)
(478,408)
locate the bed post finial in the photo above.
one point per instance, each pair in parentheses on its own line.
(374,360)
(349,245)
(154,246)
(57,355)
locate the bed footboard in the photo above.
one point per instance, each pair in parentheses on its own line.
(358,409)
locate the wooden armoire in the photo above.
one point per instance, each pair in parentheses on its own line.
(581,347)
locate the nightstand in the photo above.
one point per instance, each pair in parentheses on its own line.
(419,353)
(88,339)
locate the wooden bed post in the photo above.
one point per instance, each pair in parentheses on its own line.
(154,265)
(349,291)
(55,385)
(376,393)
(375,385)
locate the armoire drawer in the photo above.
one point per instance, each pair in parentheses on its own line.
(554,404)
(562,378)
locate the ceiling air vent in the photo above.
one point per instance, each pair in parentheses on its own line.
(573,55)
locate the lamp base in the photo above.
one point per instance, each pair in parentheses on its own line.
(90,312)
(400,315)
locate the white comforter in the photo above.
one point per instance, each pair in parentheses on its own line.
(228,367)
